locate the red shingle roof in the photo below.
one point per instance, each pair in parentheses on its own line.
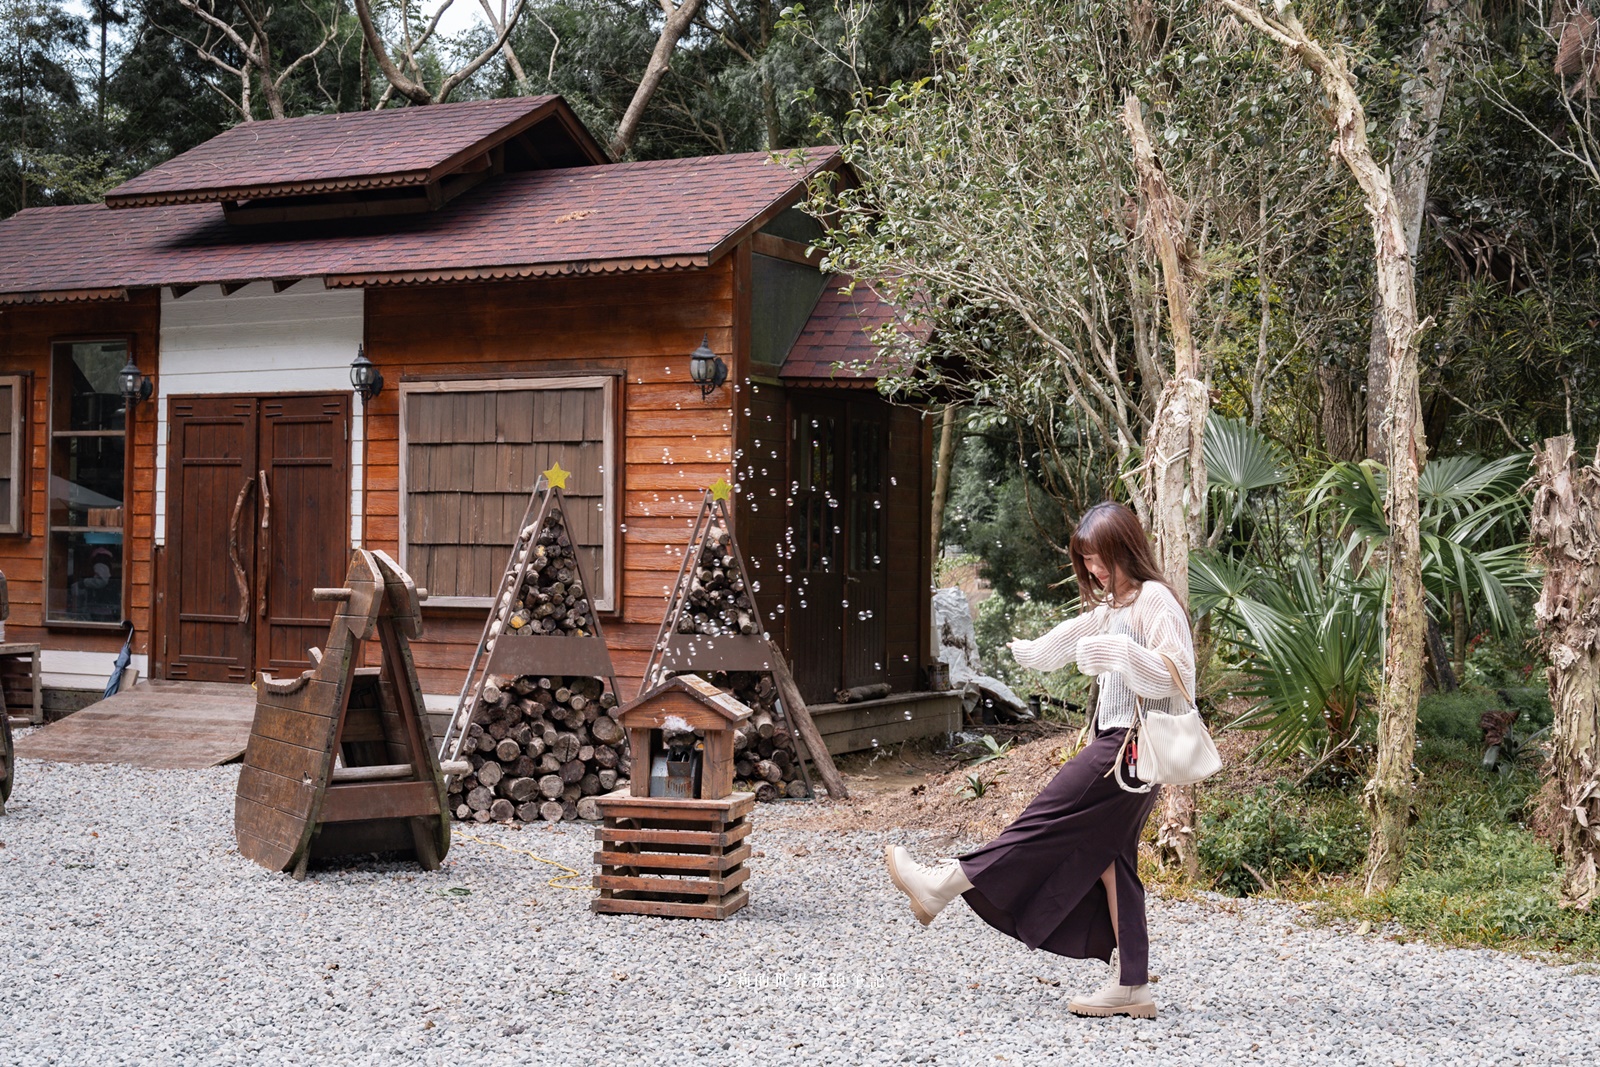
(836,346)
(356,150)
(623,216)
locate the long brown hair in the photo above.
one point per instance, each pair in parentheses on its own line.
(1113,532)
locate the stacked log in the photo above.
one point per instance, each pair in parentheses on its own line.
(541,748)
(718,603)
(551,600)
(766,751)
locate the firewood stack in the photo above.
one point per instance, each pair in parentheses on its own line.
(718,603)
(542,746)
(766,758)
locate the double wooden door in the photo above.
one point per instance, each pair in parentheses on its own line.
(837,530)
(258,515)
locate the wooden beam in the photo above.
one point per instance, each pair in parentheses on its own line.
(178,291)
(280,284)
(229,288)
(766,244)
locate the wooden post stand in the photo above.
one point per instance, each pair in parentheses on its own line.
(339,760)
(677,855)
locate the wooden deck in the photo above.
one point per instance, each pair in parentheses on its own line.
(887,721)
(161,725)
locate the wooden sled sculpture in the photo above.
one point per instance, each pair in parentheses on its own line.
(339,760)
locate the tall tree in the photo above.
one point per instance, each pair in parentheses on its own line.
(404,69)
(38,96)
(245,40)
(1566,536)
(678,17)
(103,14)
(1391,790)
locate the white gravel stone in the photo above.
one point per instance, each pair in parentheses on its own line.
(131,932)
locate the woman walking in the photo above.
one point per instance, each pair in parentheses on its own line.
(1065,876)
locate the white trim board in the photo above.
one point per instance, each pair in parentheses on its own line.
(61,668)
(259,341)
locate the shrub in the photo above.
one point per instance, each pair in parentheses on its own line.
(1260,837)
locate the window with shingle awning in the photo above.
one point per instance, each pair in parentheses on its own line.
(471,454)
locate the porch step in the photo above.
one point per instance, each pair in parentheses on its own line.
(157,724)
(888,720)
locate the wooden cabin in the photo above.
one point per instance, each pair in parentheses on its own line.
(526,302)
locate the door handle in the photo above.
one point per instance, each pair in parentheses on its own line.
(266,523)
(233,550)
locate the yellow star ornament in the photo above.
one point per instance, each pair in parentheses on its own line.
(720,489)
(556,477)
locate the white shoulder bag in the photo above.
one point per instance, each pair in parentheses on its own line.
(1172,749)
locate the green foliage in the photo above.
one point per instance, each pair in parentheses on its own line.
(989,749)
(975,787)
(1472,514)
(1308,642)
(1264,836)
(1239,461)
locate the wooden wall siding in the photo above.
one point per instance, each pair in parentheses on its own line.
(258,341)
(26,335)
(473,458)
(673,444)
(762,511)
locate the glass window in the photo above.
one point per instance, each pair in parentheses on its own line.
(472,452)
(88,472)
(12,451)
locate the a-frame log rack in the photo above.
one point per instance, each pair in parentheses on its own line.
(504,652)
(675,653)
(339,760)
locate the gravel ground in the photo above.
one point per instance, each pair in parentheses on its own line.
(132,933)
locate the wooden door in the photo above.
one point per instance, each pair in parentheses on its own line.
(866,572)
(303,535)
(816,519)
(211,487)
(258,515)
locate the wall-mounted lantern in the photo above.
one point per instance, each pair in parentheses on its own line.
(707,368)
(365,377)
(135,386)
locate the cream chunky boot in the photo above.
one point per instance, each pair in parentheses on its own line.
(930,888)
(1114,999)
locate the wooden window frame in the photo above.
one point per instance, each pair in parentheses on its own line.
(610,495)
(18,526)
(126,592)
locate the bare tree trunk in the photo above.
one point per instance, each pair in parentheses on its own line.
(676,25)
(1340,413)
(1175,469)
(1413,160)
(1389,793)
(1566,537)
(941,478)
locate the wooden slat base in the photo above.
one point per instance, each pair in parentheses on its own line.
(667,857)
(632,904)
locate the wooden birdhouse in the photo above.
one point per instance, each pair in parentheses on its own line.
(674,842)
(681,733)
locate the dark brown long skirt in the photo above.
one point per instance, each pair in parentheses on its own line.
(1039,881)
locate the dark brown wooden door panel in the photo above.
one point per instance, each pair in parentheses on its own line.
(305,522)
(866,571)
(258,515)
(816,519)
(211,485)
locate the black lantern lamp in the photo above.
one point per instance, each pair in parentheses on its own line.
(135,386)
(707,368)
(365,376)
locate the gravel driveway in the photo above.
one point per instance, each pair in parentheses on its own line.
(131,932)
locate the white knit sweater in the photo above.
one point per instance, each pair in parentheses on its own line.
(1122,647)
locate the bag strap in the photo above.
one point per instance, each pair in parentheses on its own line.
(1116,767)
(1177,680)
